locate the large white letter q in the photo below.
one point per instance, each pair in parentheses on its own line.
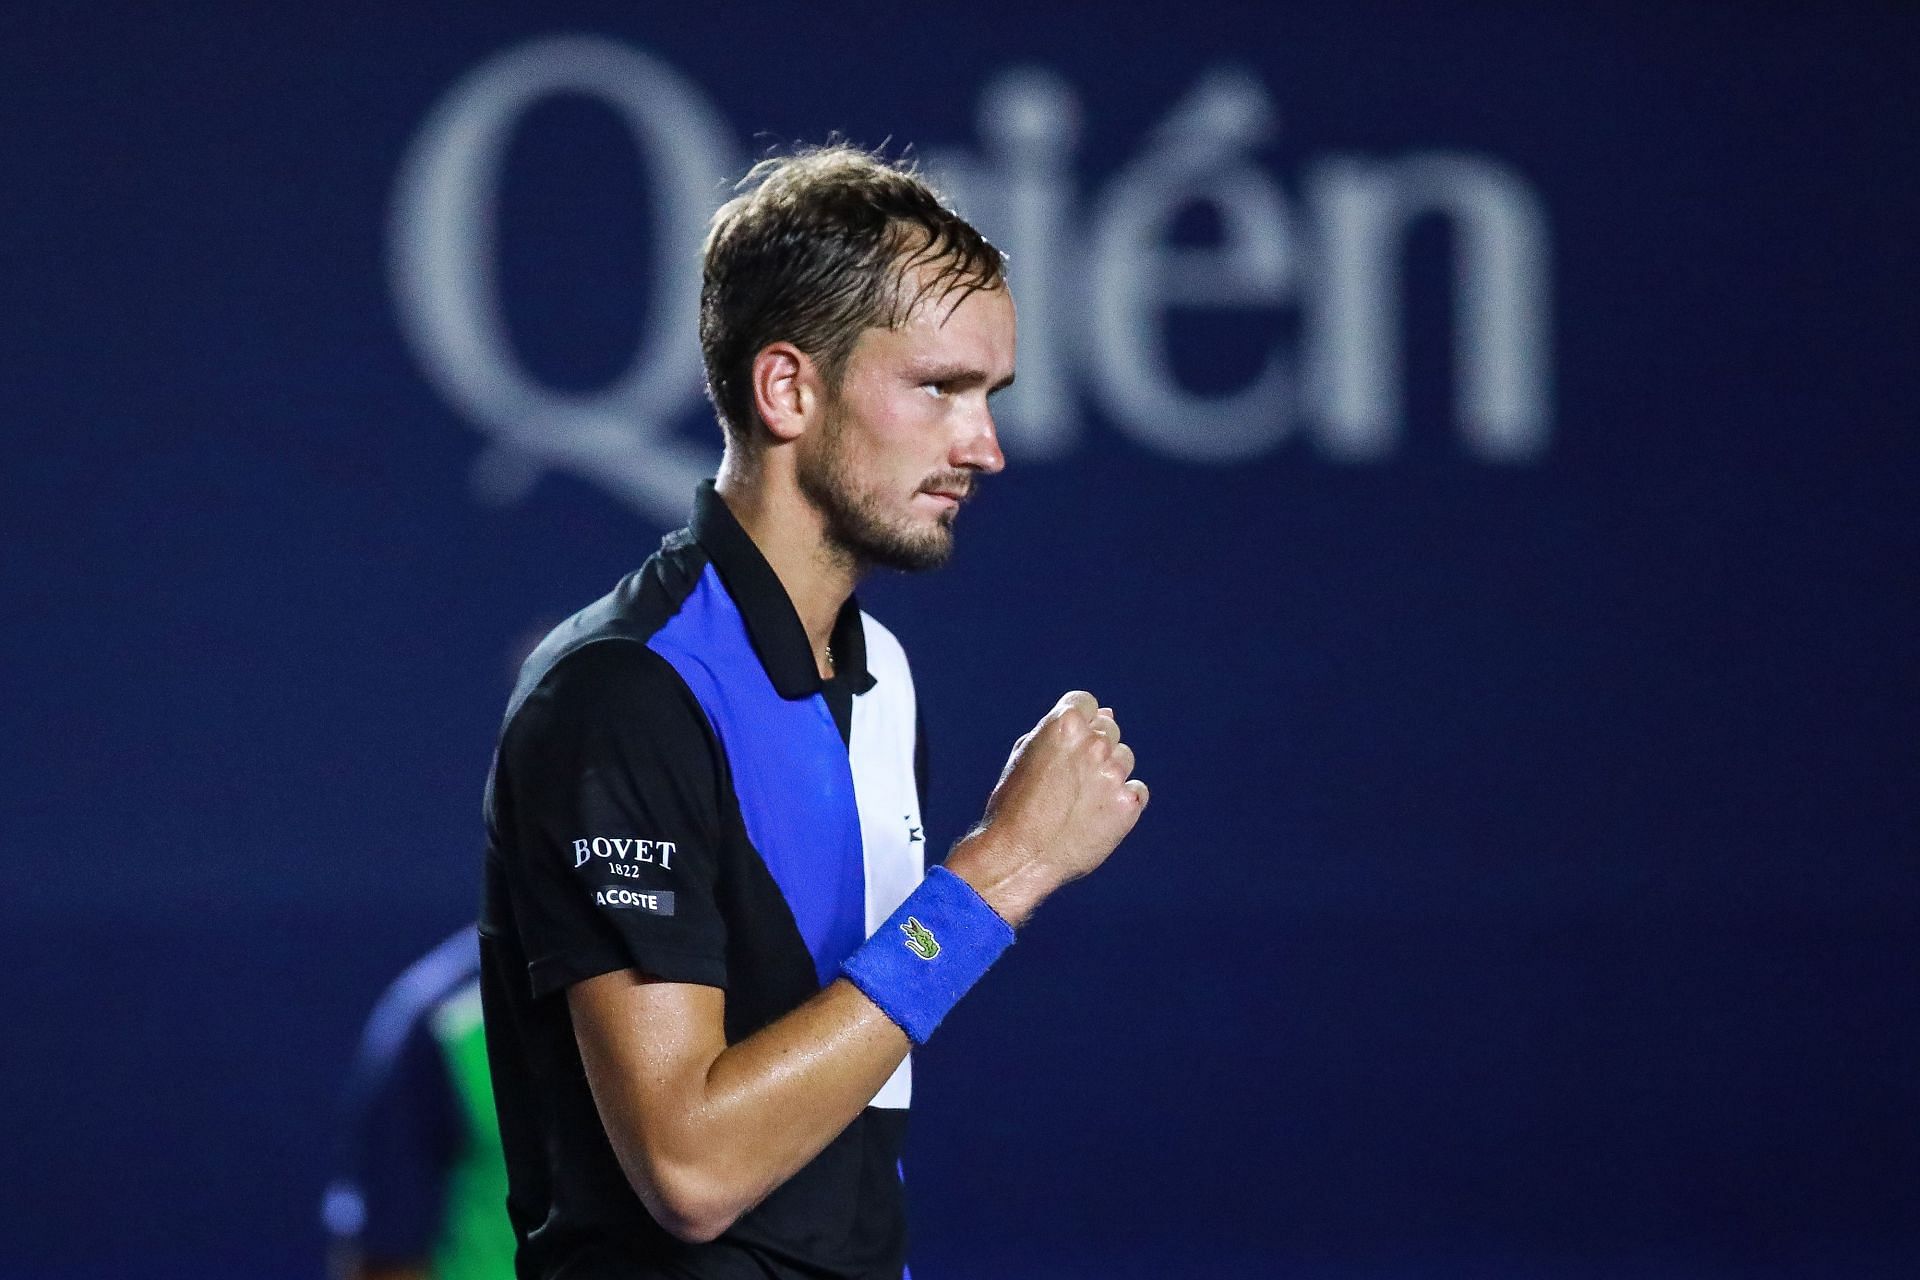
(444,271)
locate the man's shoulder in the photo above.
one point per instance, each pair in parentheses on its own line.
(600,654)
(610,706)
(611,686)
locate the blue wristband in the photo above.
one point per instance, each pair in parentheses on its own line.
(929,953)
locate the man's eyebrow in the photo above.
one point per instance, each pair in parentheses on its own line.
(959,375)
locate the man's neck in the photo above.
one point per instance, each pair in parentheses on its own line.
(790,533)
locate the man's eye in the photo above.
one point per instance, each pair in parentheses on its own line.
(934,389)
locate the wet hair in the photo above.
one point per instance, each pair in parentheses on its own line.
(816,247)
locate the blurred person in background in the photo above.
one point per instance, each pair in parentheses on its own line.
(421,1190)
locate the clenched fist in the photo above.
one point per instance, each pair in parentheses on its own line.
(1065,800)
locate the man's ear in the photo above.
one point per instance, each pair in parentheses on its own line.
(786,390)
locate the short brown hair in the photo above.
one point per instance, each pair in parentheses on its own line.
(816,247)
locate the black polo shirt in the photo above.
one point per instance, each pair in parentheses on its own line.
(676,791)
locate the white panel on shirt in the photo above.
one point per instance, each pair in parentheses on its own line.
(881,752)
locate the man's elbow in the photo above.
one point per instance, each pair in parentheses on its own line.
(689,1204)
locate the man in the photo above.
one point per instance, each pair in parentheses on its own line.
(708,945)
(420,1189)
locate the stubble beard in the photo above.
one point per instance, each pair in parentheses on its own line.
(858,528)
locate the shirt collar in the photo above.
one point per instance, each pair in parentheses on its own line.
(772,625)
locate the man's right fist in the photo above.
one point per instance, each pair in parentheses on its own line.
(1066,798)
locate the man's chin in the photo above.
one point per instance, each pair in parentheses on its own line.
(921,557)
(911,541)
(915,553)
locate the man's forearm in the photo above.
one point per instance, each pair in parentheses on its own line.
(784,1093)
(706,1130)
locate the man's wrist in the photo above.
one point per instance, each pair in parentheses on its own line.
(1008,879)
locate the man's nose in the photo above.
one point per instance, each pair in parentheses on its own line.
(979,448)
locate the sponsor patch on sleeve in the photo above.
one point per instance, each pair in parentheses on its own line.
(624,851)
(627,873)
(657,902)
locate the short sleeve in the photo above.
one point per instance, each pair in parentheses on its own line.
(609,790)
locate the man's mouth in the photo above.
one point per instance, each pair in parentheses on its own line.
(950,492)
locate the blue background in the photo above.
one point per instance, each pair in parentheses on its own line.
(1529,886)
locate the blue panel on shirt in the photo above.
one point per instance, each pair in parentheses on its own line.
(790,772)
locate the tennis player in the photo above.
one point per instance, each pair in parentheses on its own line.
(709,939)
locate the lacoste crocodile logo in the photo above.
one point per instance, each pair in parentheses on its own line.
(920,940)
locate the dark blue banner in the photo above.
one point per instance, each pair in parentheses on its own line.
(1472,447)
